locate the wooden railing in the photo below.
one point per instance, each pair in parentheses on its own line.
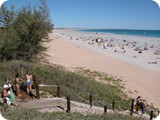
(37,86)
(58,94)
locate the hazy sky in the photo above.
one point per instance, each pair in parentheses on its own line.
(120,14)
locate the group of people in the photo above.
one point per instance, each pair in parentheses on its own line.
(8,92)
(140,105)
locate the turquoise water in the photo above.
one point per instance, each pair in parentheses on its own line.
(144,33)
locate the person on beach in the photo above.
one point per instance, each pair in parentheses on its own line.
(10,91)
(140,105)
(143,106)
(6,94)
(137,104)
(12,95)
(17,83)
(29,78)
(152,62)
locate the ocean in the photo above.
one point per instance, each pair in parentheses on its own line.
(144,33)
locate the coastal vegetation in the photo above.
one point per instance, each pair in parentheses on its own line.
(23,32)
(35,115)
(72,84)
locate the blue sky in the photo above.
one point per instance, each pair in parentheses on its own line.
(115,14)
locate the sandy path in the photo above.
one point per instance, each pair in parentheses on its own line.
(60,105)
(136,78)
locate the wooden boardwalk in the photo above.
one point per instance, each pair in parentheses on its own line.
(60,105)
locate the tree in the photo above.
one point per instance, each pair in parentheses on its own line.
(24,31)
(7,33)
(7,16)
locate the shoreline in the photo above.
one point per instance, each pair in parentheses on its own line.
(109,33)
(78,53)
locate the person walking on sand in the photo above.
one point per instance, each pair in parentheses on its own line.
(29,78)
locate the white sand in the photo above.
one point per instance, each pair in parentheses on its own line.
(131,66)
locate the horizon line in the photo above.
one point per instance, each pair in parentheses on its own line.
(105,28)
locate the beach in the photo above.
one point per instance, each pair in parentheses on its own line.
(133,59)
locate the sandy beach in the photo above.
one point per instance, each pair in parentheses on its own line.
(115,55)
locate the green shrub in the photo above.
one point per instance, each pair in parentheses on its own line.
(72,84)
(32,114)
(24,31)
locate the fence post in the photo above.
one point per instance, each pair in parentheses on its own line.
(151,115)
(105,109)
(90,99)
(68,104)
(58,91)
(132,107)
(21,70)
(113,105)
(37,91)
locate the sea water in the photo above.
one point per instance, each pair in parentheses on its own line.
(144,33)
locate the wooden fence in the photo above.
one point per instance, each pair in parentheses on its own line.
(37,86)
(58,94)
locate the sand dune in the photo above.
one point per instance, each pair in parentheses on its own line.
(136,78)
